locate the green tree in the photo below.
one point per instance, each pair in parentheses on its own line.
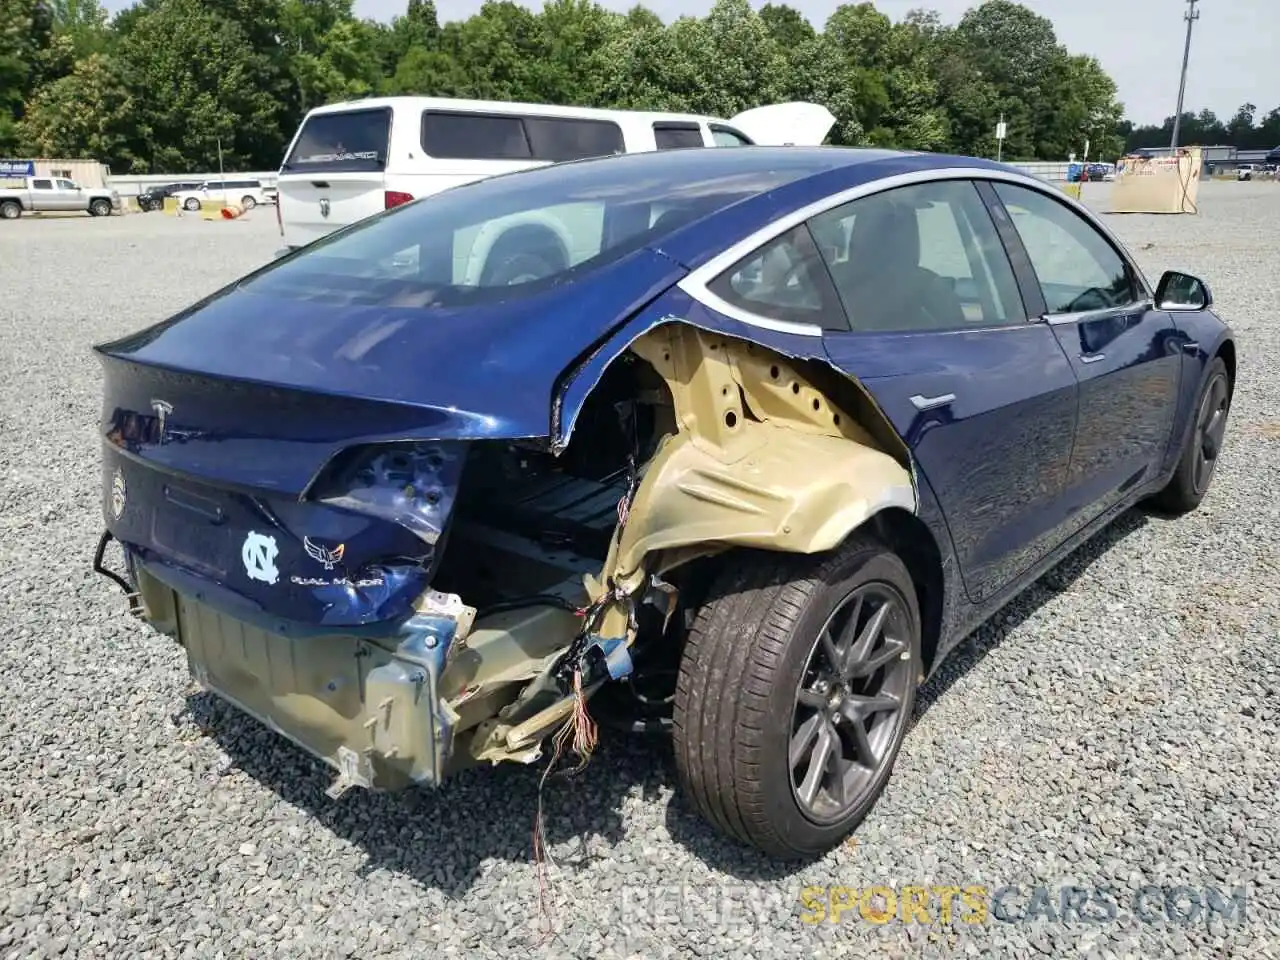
(199,83)
(88,113)
(244,72)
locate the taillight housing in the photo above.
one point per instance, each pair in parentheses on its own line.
(393,198)
(410,483)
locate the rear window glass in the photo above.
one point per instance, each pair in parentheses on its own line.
(511,236)
(487,136)
(350,142)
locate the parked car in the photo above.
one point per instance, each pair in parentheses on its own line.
(154,196)
(53,194)
(246,193)
(350,160)
(793,421)
(1245,171)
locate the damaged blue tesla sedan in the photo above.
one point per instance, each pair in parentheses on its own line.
(750,438)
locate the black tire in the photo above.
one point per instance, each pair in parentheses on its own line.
(10,210)
(191,203)
(100,208)
(248,203)
(1200,451)
(738,697)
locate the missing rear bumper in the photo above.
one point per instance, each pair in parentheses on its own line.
(132,596)
(368,707)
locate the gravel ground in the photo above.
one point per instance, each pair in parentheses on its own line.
(1116,726)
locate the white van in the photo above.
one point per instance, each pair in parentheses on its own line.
(246,193)
(351,160)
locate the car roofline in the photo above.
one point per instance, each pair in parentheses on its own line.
(696,284)
(459,104)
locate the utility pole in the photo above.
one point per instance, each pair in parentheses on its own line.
(1191,17)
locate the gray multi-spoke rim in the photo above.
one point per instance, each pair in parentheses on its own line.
(1211,428)
(849,703)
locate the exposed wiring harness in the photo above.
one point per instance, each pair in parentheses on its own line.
(532,600)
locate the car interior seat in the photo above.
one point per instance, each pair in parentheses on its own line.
(882,283)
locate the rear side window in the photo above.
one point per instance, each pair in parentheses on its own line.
(350,142)
(485,136)
(42,184)
(675,136)
(554,138)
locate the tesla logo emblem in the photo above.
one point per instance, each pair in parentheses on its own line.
(117,494)
(324,206)
(259,556)
(162,411)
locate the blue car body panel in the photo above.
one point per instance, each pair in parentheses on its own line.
(474,372)
(265,390)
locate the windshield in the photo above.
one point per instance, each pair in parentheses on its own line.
(517,234)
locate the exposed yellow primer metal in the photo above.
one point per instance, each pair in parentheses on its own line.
(760,458)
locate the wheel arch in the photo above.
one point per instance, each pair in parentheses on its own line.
(495,233)
(1227,351)
(911,539)
(758,453)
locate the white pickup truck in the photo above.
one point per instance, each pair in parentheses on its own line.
(50,194)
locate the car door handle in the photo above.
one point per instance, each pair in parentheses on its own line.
(929,403)
(1191,347)
(1092,357)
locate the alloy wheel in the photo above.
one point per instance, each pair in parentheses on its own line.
(1211,428)
(849,703)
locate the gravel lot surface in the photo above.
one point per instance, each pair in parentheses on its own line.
(1117,726)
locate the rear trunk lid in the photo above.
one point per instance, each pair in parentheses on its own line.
(288,458)
(313,206)
(204,480)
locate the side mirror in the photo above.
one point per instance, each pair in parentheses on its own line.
(1181,291)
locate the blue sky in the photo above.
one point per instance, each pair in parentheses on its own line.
(1233,50)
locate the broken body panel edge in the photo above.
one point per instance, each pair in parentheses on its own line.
(452,691)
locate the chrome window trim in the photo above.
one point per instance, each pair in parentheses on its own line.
(1061,319)
(696,283)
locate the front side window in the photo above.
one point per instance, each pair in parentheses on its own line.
(923,257)
(66,185)
(677,136)
(1077,267)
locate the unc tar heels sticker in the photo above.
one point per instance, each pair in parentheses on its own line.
(259,556)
